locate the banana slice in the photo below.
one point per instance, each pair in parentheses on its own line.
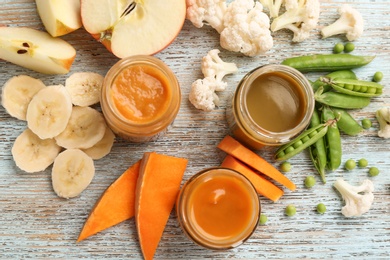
(103,147)
(85,128)
(49,111)
(84,88)
(32,154)
(73,170)
(17,93)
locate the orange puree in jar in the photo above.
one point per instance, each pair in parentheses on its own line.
(221,207)
(218,208)
(141,93)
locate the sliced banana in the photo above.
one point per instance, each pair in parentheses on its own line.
(73,170)
(17,93)
(85,128)
(84,88)
(103,147)
(32,154)
(49,111)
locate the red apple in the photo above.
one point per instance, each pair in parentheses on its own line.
(133,27)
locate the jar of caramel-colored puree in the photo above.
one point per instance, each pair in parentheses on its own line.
(272,104)
(218,208)
(140,98)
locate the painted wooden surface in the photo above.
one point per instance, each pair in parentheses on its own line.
(35,223)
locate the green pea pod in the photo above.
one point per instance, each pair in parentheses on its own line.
(340,100)
(355,87)
(340,74)
(301,142)
(346,123)
(332,140)
(317,150)
(327,62)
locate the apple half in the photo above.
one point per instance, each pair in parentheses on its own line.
(36,50)
(59,17)
(133,27)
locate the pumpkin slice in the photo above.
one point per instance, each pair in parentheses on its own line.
(158,185)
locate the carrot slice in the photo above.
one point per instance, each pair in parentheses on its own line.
(262,185)
(158,185)
(115,205)
(236,149)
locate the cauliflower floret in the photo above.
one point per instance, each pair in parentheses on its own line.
(273,7)
(301,17)
(202,94)
(383,117)
(358,199)
(350,23)
(246,28)
(214,67)
(209,12)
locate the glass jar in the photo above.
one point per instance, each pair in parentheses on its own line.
(139,117)
(218,208)
(272,104)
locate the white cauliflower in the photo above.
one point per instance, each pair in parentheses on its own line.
(358,199)
(301,17)
(383,117)
(350,23)
(214,67)
(246,28)
(209,12)
(202,94)
(273,6)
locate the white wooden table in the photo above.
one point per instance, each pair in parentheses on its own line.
(35,223)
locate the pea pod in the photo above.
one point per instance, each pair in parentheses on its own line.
(327,62)
(332,140)
(346,123)
(340,74)
(340,100)
(301,142)
(317,150)
(355,87)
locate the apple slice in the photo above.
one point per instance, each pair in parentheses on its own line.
(133,27)
(59,16)
(36,50)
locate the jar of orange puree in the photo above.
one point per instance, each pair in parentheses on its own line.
(140,98)
(218,208)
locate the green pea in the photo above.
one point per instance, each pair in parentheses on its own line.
(263,219)
(350,164)
(290,210)
(305,139)
(373,171)
(378,76)
(363,89)
(321,208)
(356,88)
(362,163)
(297,143)
(348,86)
(338,48)
(371,90)
(313,133)
(289,149)
(366,123)
(349,47)
(310,181)
(285,167)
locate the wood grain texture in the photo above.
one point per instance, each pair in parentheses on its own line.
(35,223)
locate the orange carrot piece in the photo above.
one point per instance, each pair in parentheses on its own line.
(115,205)
(158,185)
(242,153)
(262,185)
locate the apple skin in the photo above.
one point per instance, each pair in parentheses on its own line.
(59,17)
(150,27)
(36,50)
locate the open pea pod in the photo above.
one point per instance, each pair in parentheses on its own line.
(301,142)
(354,87)
(340,100)
(340,74)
